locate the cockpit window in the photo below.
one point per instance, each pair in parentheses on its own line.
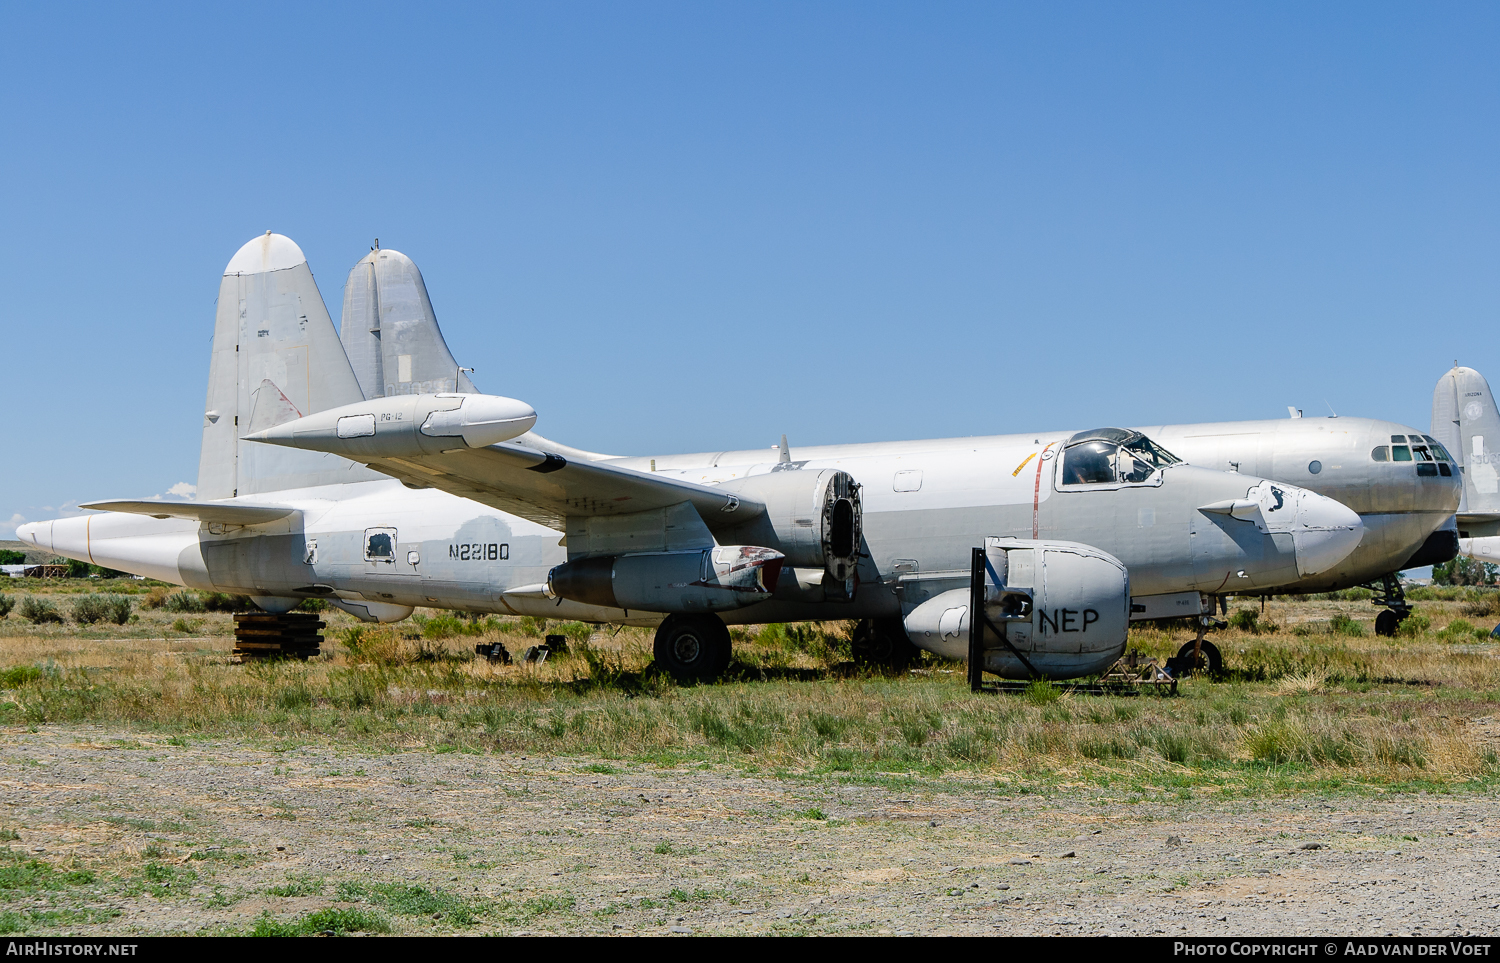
(1150,452)
(1111,455)
(1400,453)
(1091,463)
(1382,453)
(1438,451)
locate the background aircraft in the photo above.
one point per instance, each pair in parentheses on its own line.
(1465,421)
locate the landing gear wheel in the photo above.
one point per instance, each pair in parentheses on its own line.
(883,644)
(693,648)
(1386,622)
(1210,662)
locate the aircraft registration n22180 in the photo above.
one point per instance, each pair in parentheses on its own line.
(310,489)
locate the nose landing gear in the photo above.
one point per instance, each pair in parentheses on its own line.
(1200,656)
(1390,594)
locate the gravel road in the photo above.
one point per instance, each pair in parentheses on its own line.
(552,845)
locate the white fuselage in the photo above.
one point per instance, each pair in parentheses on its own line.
(926,504)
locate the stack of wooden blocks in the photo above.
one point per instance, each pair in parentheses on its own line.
(293,635)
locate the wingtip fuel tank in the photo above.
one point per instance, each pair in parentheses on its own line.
(405,425)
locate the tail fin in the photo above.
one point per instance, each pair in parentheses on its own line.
(390,332)
(1465,421)
(276,357)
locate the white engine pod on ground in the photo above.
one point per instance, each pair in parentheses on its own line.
(708,580)
(1064,606)
(812,517)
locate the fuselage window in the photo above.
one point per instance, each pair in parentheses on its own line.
(1400,453)
(1383,453)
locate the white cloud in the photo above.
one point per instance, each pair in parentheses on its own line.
(70,508)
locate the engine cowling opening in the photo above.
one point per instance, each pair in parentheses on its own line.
(813,517)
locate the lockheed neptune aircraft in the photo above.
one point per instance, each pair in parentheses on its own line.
(386,482)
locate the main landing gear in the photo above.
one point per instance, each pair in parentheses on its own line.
(883,644)
(693,648)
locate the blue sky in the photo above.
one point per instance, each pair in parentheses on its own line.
(679,227)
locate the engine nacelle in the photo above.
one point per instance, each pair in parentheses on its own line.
(1064,606)
(812,517)
(707,580)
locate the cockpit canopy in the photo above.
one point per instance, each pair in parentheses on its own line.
(1111,456)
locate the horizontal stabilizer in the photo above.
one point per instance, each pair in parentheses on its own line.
(200,511)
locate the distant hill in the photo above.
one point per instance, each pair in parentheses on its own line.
(33,556)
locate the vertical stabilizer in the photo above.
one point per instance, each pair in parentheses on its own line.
(1465,421)
(390,331)
(276,357)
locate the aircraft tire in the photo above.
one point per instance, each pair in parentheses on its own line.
(1210,662)
(693,648)
(1386,622)
(883,644)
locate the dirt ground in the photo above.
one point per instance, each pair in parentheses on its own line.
(1335,783)
(511,844)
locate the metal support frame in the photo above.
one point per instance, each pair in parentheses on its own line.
(978,621)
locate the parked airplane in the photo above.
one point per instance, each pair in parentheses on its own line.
(1465,421)
(1406,507)
(1402,484)
(307,488)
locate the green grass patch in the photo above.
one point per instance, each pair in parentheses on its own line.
(299,885)
(22,874)
(334,922)
(411,900)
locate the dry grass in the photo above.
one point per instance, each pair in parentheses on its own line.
(1302,703)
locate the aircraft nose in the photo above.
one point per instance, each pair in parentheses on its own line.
(1326,531)
(28,533)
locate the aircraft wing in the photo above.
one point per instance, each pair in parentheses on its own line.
(546,488)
